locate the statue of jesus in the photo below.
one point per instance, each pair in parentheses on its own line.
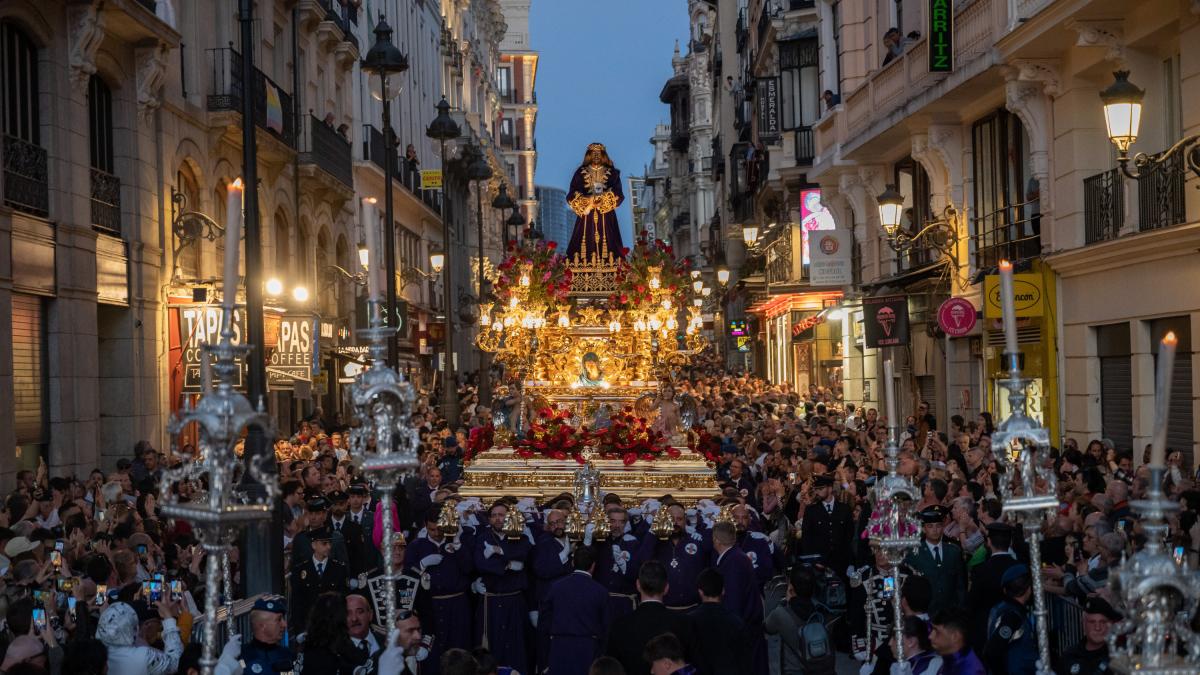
(594,196)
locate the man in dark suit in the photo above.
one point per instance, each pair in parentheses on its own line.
(361,514)
(574,615)
(985,591)
(357,550)
(318,517)
(940,562)
(741,587)
(368,642)
(628,638)
(828,526)
(725,649)
(314,576)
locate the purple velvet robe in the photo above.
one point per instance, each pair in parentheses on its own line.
(596,232)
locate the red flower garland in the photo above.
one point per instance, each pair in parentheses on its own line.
(705,444)
(630,438)
(549,275)
(551,435)
(481,439)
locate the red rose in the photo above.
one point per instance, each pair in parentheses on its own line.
(551,245)
(629,458)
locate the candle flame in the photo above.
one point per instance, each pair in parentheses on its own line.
(1005,265)
(236,184)
(370,200)
(1169,339)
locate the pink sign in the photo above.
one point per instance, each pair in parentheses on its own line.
(956,317)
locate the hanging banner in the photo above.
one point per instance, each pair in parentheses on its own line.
(941,36)
(431,179)
(830,265)
(200,325)
(886,321)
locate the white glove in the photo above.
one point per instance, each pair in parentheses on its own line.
(515,565)
(901,668)
(635,512)
(478,587)
(489,550)
(564,554)
(533,617)
(529,535)
(228,663)
(618,559)
(431,560)
(587,534)
(391,660)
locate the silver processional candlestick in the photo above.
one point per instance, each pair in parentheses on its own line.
(381,438)
(222,512)
(1159,592)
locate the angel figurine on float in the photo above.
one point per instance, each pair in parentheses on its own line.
(668,420)
(594,197)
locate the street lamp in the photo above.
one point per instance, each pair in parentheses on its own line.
(722,274)
(364,257)
(1122,117)
(750,234)
(443,128)
(516,220)
(480,171)
(504,202)
(437,260)
(385,61)
(891,206)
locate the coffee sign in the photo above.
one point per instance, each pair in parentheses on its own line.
(200,325)
(294,352)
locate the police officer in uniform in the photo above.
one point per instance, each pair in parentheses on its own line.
(828,527)
(1091,654)
(940,561)
(264,655)
(314,576)
(357,549)
(1011,645)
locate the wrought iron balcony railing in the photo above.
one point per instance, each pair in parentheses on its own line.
(329,150)
(1160,194)
(1008,233)
(106,201)
(273,109)
(375,149)
(805,149)
(26,180)
(1103,206)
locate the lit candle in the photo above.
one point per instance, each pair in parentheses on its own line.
(233,240)
(889,391)
(371,232)
(1009,311)
(1162,399)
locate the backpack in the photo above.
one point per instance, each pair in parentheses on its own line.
(816,646)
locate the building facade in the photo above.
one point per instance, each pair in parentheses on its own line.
(122,130)
(516,78)
(555,218)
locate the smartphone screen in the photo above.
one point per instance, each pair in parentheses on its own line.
(176,589)
(58,545)
(1178,555)
(155,591)
(145,589)
(39,618)
(889,586)
(141,549)
(158,576)
(71,606)
(101,594)
(38,597)
(56,558)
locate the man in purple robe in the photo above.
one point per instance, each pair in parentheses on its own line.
(594,196)
(503,615)
(574,616)
(444,566)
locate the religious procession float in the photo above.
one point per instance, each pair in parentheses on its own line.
(591,343)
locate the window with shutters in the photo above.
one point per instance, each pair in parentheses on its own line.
(106,186)
(1116,384)
(24,160)
(29,371)
(799,83)
(1179,422)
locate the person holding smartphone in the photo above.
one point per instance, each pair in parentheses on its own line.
(118,630)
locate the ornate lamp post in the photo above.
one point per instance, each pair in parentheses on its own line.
(479,171)
(891,212)
(388,63)
(515,220)
(1123,117)
(443,128)
(504,202)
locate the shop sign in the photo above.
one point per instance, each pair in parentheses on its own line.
(768,109)
(737,327)
(804,327)
(294,354)
(957,317)
(830,251)
(886,321)
(941,36)
(200,325)
(1028,294)
(743,343)
(431,179)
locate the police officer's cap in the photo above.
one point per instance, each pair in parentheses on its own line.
(273,604)
(318,504)
(1013,573)
(359,489)
(320,534)
(1098,605)
(823,481)
(933,515)
(337,496)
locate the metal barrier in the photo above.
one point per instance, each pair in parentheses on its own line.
(241,620)
(1066,623)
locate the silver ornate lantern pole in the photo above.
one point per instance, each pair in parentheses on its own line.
(1021,445)
(892,532)
(1159,593)
(382,402)
(220,416)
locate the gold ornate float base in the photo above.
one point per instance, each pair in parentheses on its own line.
(499,472)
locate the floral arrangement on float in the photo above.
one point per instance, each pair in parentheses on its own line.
(649,274)
(705,444)
(629,437)
(481,439)
(533,275)
(552,435)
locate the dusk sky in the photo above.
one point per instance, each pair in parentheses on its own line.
(601,67)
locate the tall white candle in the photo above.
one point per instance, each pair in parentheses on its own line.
(1009,310)
(889,391)
(233,240)
(371,231)
(1162,399)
